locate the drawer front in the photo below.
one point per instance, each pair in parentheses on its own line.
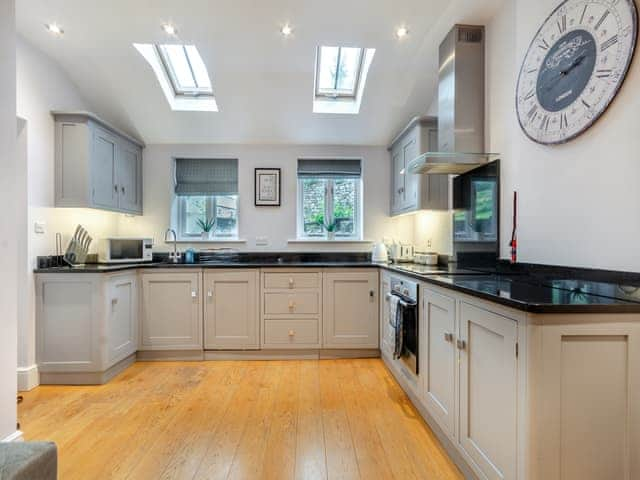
(294,332)
(276,281)
(291,303)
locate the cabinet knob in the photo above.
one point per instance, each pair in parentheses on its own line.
(290,282)
(209,294)
(115,187)
(461,344)
(372,293)
(292,304)
(194,294)
(448,337)
(122,189)
(292,333)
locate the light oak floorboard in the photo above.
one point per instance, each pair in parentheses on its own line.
(298,419)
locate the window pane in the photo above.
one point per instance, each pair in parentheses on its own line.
(328,68)
(199,68)
(348,70)
(180,66)
(345,204)
(313,206)
(195,208)
(226,212)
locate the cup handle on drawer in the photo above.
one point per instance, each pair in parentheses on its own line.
(292,333)
(290,282)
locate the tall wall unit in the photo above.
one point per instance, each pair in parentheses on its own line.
(409,192)
(96,165)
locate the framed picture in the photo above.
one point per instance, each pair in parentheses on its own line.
(267,192)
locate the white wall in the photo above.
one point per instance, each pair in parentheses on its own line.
(579,203)
(9,234)
(277,223)
(43,86)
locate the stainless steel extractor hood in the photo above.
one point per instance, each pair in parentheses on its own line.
(460,106)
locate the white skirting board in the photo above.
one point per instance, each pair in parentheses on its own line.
(14,437)
(28,378)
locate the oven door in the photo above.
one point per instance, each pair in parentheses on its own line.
(406,332)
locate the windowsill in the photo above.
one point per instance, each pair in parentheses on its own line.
(325,240)
(214,240)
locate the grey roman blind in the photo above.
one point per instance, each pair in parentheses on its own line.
(331,168)
(206,176)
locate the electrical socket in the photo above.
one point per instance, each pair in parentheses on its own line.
(429,243)
(39,227)
(262,241)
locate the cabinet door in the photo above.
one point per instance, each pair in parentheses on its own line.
(397,179)
(171,311)
(350,309)
(411,182)
(103,167)
(438,358)
(128,172)
(488,384)
(231,315)
(122,331)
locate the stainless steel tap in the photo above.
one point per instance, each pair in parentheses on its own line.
(175,258)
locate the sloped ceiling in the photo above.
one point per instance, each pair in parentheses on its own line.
(262,81)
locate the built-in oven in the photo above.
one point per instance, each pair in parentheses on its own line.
(404,319)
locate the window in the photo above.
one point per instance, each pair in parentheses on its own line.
(182,75)
(329,199)
(185,69)
(338,71)
(206,191)
(341,74)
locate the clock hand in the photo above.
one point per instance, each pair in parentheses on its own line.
(549,85)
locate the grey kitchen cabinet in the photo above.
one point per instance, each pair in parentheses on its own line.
(97,166)
(350,309)
(411,192)
(86,326)
(171,310)
(231,310)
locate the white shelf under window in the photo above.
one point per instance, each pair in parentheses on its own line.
(213,240)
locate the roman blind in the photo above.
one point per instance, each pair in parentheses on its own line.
(329,168)
(206,176)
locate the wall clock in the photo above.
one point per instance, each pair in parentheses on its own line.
(574,67)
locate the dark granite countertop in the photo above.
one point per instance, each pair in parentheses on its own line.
(527,289)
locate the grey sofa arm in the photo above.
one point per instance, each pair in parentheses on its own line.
(28,461)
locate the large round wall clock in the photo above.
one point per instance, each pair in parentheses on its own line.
(574,67)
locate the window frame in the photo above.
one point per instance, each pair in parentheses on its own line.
(328,210)
(211,207)
(335,94)
(167,65)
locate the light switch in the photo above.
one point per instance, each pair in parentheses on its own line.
(262,241)
(39,227)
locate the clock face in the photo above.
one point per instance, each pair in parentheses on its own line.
(574,67)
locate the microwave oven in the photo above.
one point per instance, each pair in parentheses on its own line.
(125,250)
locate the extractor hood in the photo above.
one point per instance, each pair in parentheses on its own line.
(460,106)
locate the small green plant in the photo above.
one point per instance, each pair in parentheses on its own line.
(206,224)
(329,227)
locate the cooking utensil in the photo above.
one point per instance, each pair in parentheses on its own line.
(78,247)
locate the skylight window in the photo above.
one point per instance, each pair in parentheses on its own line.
(182,75)
(341,74)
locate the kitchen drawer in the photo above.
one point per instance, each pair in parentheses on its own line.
(282,333)
(298,280)
(278,303)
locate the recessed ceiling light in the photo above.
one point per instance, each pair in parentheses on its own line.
(286,30)
(54,28)
(169,29)
(402,32)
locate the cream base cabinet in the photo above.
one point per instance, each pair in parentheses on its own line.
(350,309)
(439,358)
(171,310)
(122,318)
(231,310)
(488,391)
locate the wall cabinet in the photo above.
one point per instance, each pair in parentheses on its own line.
(410,192)
(231,310)
(350,309)
(97,166)
(86,329)
(171,310)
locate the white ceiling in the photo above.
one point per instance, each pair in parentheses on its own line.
(263,82)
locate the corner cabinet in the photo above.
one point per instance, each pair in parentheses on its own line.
(350,309)
(96,165)
(231,310)
(410,192)
(171,310)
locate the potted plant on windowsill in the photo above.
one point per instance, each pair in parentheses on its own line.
(330,228)
(206,224)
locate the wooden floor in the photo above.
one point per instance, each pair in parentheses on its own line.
(241,420)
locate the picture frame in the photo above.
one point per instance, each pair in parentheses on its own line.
(267,187)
